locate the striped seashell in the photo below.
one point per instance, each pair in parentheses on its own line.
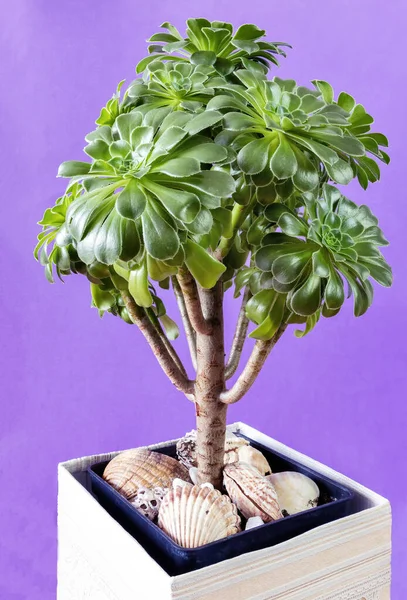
(193,515)
(252,493)
(132,470)
(186,448)
(253,457)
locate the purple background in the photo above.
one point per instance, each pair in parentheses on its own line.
(74,385)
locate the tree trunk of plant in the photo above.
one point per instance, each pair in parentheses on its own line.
(210,383)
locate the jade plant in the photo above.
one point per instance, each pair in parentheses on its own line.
(208,177)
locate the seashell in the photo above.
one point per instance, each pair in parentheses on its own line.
(148,501)
(296,492)
(142,468)
(194,515)
(208,485)
(253,494)
(253,522)
(186,448)
(232,445)
(255,458)
(193,474)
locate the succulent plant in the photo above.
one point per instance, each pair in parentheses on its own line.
(307,258)
(215,44)
(146,194)
(179,85)
(113,108)
(205,174)
(54,249)
(288,132)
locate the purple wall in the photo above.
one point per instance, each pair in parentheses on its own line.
(74,385)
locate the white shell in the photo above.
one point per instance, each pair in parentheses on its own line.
(253,522)
(296,492)
(148,501)
(193,474)
(255,458)
(195,515)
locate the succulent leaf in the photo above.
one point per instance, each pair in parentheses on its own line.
(202,157)
(299,130)
(214,44)
(339,242)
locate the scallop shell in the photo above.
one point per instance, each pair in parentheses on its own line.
(296,492)
(255,458)
(194,515)
(142,468)
(186,448)
(148,501)
(253,494)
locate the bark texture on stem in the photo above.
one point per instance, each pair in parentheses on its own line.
(238,338)
(191,297)
(189,330)
(253,367)
(167,363)
(210,383)
(171,350)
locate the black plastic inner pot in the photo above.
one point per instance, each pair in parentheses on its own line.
(336,501)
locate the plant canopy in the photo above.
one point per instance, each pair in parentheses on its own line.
(208,174)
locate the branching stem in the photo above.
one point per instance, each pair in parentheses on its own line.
(192,302)
(189,330)
(238,338)
(171,350)
(165,359)
(248,376)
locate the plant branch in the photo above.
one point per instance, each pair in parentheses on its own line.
(171,350)
(166,361)
(239,338)
(189,330)
(253,367)
(192,302)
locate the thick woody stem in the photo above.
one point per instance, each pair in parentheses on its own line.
(192,302)
(189,330)
(166,361)
(210,383)
(238,338)
(253,367)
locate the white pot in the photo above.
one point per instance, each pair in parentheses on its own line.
(348,559)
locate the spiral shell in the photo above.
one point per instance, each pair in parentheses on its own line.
(142,468)
(195,515)
(186,448)
(252,493)
(296,492)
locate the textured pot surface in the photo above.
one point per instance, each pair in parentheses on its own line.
(348,559)
(176,560)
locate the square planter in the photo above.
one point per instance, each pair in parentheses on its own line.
(336,502)
(347,559)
